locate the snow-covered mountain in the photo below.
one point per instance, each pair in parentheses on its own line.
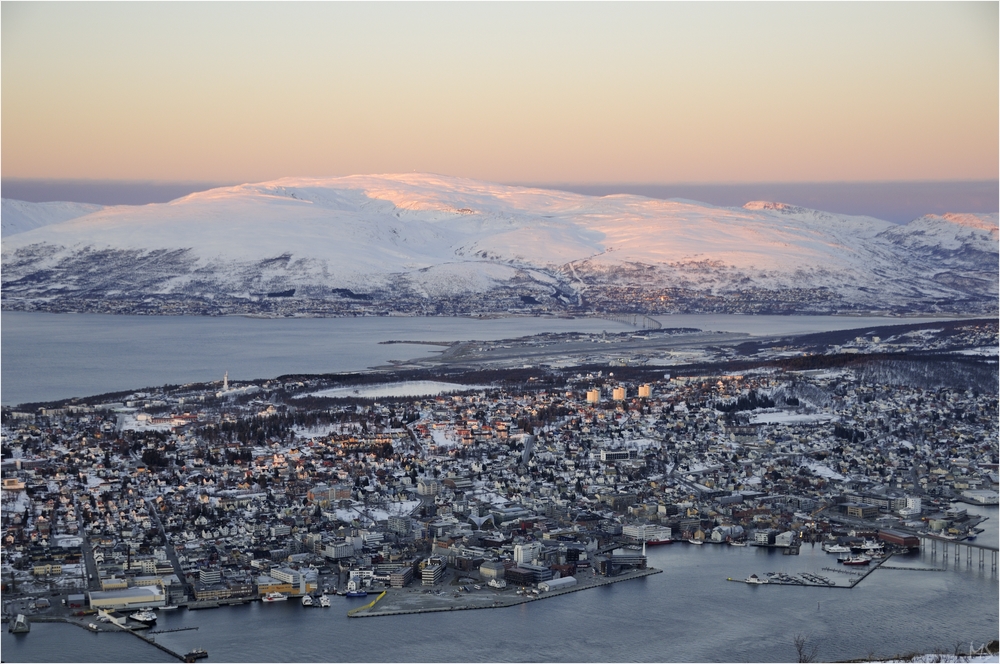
(19,216)
(432,244)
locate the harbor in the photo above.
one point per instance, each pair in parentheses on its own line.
(396,602)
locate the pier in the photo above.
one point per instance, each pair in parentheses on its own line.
(818,581)
(153,643)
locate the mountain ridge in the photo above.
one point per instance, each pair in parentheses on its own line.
(431,244)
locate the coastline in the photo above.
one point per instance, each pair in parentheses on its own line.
(398,601)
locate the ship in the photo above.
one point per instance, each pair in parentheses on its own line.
(694,541)
(755,580)
(144,616)
(274,597)
(856,560)
(836,548)
(19,625)
(734,543)
(197,653)
(307,600)
(324,601)
(356,593)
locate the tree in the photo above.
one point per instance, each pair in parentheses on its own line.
(803,650)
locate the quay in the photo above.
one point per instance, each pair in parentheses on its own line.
(397,602)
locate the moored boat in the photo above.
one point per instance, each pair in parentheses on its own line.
(324,601)
(274,597)
(836,548)
(755,580)
(856,560)
(145,616)
(694,541)
(307,600)
(356,593)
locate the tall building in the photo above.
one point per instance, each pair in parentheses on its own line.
(525,553)
(619,393)
(645,391)
(594,395)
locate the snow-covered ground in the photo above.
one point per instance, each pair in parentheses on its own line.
(20,216)
(786,417)
(376,513)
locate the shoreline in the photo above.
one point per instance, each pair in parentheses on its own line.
(500,600)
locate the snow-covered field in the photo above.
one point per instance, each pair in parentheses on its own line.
(785,417)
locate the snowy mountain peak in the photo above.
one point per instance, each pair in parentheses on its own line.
(428,243)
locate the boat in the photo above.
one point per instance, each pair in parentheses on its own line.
(19,625)
(307,600)
(173,607)
(694,541)
(755,580)
(144,616)
(197,653)
(836,548)
(737,544)
(275,597)
(856,560)
(324,601)
(356,593)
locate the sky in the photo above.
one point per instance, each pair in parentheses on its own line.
(583,93)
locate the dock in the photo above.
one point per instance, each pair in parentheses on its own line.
(151,641)
(403,602)
(817,580)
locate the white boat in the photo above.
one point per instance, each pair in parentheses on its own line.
(274,597)
(324,601)
(755,580)
(145,616)
(837,548)
(694,541)
(737,544)
(307,600)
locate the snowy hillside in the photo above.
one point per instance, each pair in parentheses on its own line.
(431,244)
(19,216)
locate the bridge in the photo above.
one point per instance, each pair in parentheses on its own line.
(969,547)
(635,320)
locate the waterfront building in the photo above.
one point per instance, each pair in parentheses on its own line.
(127,598)
(558,584)
(401,577)
(431,574)
(491,570)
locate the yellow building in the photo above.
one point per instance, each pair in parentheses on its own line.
(129,598)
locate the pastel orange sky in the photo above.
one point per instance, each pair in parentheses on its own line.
(543,92)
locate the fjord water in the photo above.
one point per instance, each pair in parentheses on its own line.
(690,613)
(57,356)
